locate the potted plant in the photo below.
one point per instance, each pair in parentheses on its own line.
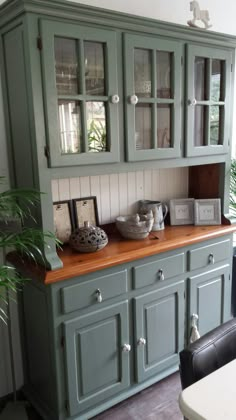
(15,207)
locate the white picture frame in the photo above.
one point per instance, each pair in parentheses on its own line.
(207,211)
(63,220)
(182,211)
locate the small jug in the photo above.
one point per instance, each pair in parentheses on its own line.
(159,212)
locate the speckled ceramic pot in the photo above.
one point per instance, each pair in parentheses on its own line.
(88,238)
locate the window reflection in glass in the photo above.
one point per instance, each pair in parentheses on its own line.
(163,76)
(96,127)
(143,126)
(94,68)
(199,125)
(142,72)
(163,126)
(200,78)
(216,80)
(215,122)
(66,65)
(70,126)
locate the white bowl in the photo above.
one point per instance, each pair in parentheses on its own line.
(135,227)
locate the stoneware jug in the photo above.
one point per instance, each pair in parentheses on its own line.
(158,209)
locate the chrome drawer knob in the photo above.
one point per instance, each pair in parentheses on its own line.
(115,99)
(133,99)
(126,347)
(98,295)
(141,341)
(161,275)
(211,259)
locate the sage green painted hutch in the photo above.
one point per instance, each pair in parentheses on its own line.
(87,92)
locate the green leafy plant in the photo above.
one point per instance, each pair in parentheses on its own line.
(233,187)
(15,207)
(97,137)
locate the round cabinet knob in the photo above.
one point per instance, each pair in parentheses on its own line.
(126,347)
(161,275)
(98,295)
(192,102)
(211,259)
(115,99)
(141,341)
(133,99)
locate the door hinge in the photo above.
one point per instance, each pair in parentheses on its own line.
(66,406)
(47,151)
(231,67)
(62,341)
(39,43)
(184,295)
(182,60)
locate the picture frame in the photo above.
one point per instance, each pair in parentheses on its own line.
(85,210)
(207,211)
(182,211)
(63,220)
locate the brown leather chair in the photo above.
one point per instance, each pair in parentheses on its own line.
(208,353)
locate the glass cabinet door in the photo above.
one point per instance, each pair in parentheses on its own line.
(153,95)
(208,100)
(81,92)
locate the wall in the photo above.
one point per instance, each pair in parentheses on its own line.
(223,19)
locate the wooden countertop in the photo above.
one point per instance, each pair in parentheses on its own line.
(120,251)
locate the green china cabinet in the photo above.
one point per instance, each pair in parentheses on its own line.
(89,91)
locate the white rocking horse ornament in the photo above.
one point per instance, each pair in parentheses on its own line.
(198,14)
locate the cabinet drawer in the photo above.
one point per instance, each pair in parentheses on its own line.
(84,294)
(164,268)
(210,254)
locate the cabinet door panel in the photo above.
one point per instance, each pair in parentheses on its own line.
(79,66)
(159,318)
(153,76)
(96,366)
(208,100)
(210,298)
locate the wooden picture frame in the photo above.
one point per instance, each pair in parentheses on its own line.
(63,220)
(182,211)
(207,211)
(85,210)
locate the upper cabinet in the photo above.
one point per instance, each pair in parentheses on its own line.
(81,94)
(153,77)
(208,100)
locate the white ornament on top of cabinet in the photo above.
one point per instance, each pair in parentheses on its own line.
(198,14)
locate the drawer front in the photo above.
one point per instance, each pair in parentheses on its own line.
(209,255)
(85,294)
(157,271)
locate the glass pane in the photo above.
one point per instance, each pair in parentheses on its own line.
(200,78)
(216,80)
(96,127)
(94,68)
(142,72)
(215,124)
(199,125)
(163,66)
(66,65)
(163,126)
(70,126)
(143,123)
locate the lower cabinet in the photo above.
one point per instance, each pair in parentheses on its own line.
(109,334)
(209,297)
(159,330)
(97,356)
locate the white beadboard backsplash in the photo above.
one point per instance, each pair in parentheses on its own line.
(117,194)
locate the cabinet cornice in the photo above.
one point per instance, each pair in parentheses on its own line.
(60,9)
